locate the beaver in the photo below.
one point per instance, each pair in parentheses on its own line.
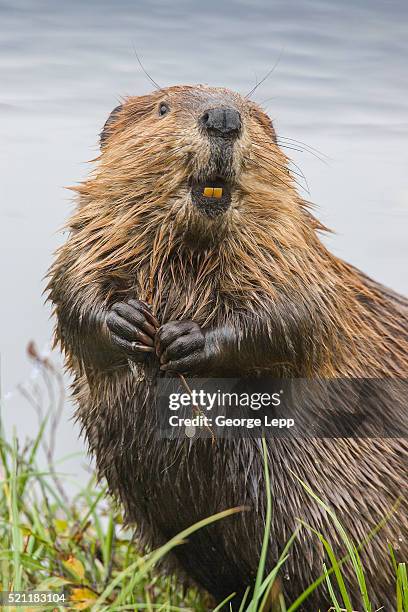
(191,252)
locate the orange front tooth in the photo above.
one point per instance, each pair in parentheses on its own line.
(217,192)
(208,192)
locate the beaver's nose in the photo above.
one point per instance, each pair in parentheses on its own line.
(224,122)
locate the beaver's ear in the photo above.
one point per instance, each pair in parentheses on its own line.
(107,128)
(264,120)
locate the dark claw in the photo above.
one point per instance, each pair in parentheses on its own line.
(142,347)
(168,332)
(179,345)
(185,365)
(132,349)
(132,328)
(136,316)
(147,340)
(182,347)
(147,312)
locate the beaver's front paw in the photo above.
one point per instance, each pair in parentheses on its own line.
(132,328)
(180,346)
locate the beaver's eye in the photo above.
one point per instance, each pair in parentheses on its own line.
(163,108)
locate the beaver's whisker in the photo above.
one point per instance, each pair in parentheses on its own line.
(267,75)
(157,86)
(274,162)
(303,144)
(300,174)
(290,172)
(302,150)
(274,176)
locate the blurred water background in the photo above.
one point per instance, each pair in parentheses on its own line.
(340,86)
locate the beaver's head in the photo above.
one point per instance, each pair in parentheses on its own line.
(192,152)
(191,193)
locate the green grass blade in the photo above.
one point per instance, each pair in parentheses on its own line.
(332,594)
(335,567)
(243,602)
(350,546)
(224,601)
(267,531)
(16,533)
(402,588)
(154,557)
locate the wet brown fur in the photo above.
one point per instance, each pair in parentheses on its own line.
(136,233)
